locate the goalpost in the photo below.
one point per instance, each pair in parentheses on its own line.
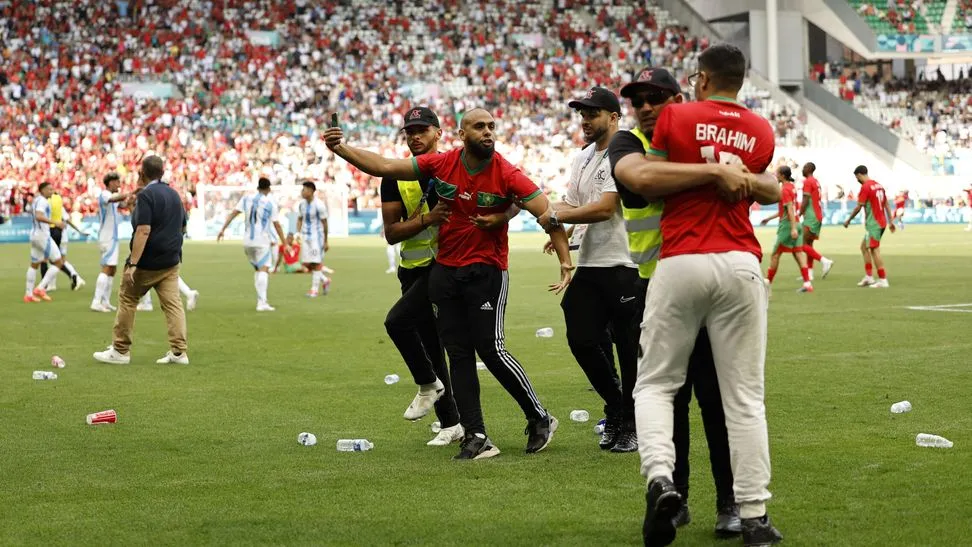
(213,203)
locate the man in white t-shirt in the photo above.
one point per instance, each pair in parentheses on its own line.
(108,218)
(260,214)
(42,246)
(602,297)
(312,225)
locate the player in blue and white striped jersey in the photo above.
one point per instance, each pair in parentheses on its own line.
(108,217)
(260,214)
(312,225)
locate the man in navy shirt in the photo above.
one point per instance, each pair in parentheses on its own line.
(159,222)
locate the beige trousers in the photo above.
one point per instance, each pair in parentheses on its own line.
(166,285)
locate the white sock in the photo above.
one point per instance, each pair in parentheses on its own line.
(183,288)
(106,294)
(146,300)
(70,269)
(31,280)
(261,282)
(49,277)
(391,251)
(316,280)
(99,292)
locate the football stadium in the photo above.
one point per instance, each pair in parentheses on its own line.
(485,272)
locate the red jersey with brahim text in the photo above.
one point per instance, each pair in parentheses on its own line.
(718,130)
(489,189)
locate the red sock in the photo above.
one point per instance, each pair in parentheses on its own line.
(881,273)
(805,272)
(812,254)
(809,262)
(868,269)
(770,274)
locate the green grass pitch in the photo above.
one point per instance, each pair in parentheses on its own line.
(207,454)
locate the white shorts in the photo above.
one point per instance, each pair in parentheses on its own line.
(109,253)
(43,250)
(310,253)
(258,256)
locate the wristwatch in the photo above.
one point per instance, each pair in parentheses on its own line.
(554,221)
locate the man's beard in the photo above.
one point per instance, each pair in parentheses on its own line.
(596,135)
(480,151)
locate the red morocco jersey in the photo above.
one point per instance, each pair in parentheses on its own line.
(488,190)
(874,201)
(718,130)
(811,187)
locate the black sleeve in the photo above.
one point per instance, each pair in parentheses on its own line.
(143,209)
(389,190)
(622,144)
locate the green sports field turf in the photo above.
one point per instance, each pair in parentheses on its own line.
(207,454)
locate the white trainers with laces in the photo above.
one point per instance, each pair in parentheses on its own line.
(826,264)
(880,284)
(448,436)
(424,400)
(112,357)
(263,306)
(173,359)
(866,281)
(99,307)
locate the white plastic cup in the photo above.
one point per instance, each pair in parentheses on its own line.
(57,362)
(392,379)
(436,427)
(545,332)
(307,439)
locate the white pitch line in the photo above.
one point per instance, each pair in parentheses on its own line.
(943,307)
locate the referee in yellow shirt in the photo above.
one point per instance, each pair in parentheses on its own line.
(58,222)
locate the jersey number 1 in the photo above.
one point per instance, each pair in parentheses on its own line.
(725,158)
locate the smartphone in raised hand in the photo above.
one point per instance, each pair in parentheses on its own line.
(334,119)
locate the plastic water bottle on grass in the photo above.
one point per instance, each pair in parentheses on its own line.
(545,332)
(932,441)
(579,415)
(354,445)
(599,428)
(392,379)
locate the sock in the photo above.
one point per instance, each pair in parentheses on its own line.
(811,252)
(31,280)
(868,269)
(316,280)
(49,277)
(261,281)
(70,269)
(183,288)
(805,272)
(106,295)
(882,274)
(770,274)
(391,251)
(99,292)
(146,300)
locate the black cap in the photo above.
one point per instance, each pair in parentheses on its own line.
(860,170)
(655,77)
(786,172)
(420,115)
(598,97)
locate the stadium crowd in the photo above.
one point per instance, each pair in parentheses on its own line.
(252,84)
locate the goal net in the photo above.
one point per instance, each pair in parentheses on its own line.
(213,203)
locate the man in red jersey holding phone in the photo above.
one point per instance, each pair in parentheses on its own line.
(708,275)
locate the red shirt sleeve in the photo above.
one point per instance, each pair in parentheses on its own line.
(427,165)
(660,136)
(787,196)
(519,184)
(865,193)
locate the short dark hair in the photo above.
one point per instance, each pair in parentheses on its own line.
(311,185)
(153,167)
(725,64)
(263,183)
(110,177)
(860,170)
(811,166)
(42,186)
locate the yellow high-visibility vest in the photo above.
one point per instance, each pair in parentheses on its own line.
(644,228)
(420,249)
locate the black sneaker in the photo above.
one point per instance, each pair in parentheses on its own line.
(540,433)
(759,532)
(74,282)
(683,518)
(727,521)
(612,428)
(476,446)
(627,441)
(663,505)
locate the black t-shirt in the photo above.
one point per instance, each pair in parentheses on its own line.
(622,144)
(160,207)
(391,193)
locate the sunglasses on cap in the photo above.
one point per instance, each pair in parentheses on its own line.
(653,97)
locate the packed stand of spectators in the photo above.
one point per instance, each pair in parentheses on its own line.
(255,82)
(963,17)
(901,16)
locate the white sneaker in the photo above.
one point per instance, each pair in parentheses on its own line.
(263,306)
(112,357)
(448,436)
(391,270)
(101,308)
(80,284)
(424,400)
(880,284)
(171,358)
(191,301)
(109,306)
(865,281)
(142,307)
(826,264)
